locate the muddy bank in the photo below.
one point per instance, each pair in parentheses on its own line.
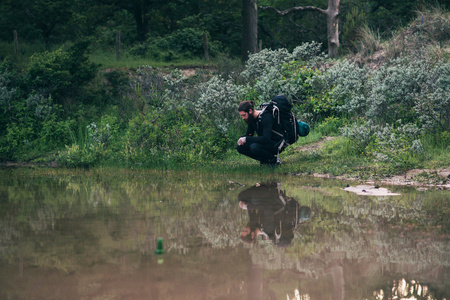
(421,178)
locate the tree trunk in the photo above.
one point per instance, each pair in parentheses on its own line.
(332,14)
(333,27)
(46,28)
(249,28)
(139,17)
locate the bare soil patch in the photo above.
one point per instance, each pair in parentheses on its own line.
(315,146)
(189,72)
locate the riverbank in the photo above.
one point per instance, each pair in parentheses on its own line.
(376,174)
(438,178)
(420,178)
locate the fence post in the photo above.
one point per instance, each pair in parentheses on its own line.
(205,46)
(118,45)
(16,43)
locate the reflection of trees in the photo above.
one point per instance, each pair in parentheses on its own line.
(369,239)
(70,223)
(219,228)
(7,235)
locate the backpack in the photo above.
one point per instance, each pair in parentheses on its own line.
(285,124)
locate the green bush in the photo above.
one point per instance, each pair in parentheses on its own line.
(398,146)
(59,74)
(331,126)
(16,142)
(106,132)
(344,83)
(97,144)
(218,102)
(295,81)
(171,137)
(269,72)
(84,156)
(182,44)
(54,134)
(32,125)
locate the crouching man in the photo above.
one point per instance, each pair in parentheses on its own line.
(261,147)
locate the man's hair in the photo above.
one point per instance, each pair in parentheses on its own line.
(245,106)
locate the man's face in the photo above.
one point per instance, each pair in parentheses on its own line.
(247,117)
(246,231)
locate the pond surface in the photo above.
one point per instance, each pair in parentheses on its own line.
(94,235)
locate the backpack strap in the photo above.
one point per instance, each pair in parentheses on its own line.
(276,110)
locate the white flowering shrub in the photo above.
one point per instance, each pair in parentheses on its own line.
(432,106)
(41,106)
(346,83)
(176,92)
(386,143)
(270,71)
(6,92)
(149,86)
(270,85)
(259,63)
(218,102)
(412,91)
(392,90)
(154,88)
(106,131)
(360,135)
(310,52)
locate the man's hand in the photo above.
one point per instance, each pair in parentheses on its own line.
(241,141)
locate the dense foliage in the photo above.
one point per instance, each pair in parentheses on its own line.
(392,107)
(174,29)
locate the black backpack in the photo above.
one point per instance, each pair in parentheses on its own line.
(285,124)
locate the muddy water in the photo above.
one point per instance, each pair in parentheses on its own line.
(93,235)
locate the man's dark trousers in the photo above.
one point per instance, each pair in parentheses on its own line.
(262,152)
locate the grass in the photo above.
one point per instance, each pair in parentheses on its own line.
(108,59)
(311,155)
(25,51)
(333,157)
(104,57)
(437,152)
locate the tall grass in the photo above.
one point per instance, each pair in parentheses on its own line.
(428,35)
(437,149)
(369,41)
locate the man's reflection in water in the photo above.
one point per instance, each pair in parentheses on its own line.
(273,215)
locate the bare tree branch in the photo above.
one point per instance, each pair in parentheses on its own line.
(303,30)
(300,8)
(332,16)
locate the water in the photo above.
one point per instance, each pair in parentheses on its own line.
(94,235)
